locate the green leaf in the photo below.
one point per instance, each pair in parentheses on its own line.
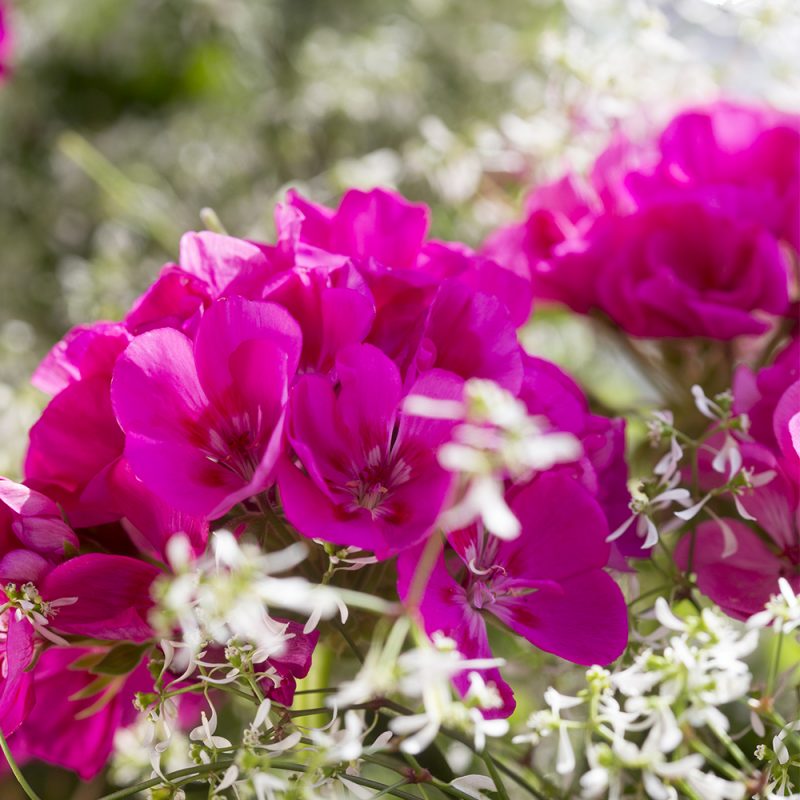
(120,659)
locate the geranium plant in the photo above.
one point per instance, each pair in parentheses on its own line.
(310,522)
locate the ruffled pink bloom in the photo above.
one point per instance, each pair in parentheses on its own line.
(557,215)
(385,237)
(675,240)
(370,476)
(203,421)
(744,160)
(679,270)
(548,585)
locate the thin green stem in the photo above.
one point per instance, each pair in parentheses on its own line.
(723,766)
(390,789)
(522,783)
(21,780)
(776,664)
(733,749)
(495,774)
(188,772)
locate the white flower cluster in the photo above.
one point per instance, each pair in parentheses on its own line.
(637,716)
(495,440)
(423,674)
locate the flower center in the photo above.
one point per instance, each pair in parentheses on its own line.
(372,487)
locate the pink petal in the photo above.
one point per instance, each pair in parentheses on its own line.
(231,322)
(379,225)
(740,583)
(563,531)
(584,619)
(155,389)
(84,352)
(16,689)
(113,596)
(76,437)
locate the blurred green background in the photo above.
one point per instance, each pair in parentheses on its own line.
(121,119)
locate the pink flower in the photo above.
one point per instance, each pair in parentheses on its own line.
(33,537)
(385,238)
(371,478)
(548,585)
(678,269)
(744,160)
(557,215)
(738,566)
(758,393)
(676,239)
(291,665)
(203,421)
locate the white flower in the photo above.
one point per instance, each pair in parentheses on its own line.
(782,609)
(494,440)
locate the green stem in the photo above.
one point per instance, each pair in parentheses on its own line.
(498,781)
(776,664)
(524,784)
(188,772)
(390,789)
(451,790)
(733,749)
(26,787)
(723,766)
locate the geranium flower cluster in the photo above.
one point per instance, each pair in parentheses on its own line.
(693,233)
(334,444)
(268,384)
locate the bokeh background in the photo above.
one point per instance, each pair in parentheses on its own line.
(121,119)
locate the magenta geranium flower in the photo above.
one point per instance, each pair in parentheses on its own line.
(737,566)
(679,269)
(742,159)
(367,475)
(548,585)
(33,537)
(203,421)
(384,236)
(677,237)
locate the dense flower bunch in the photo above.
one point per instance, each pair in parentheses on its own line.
(336,440)
(691,234)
